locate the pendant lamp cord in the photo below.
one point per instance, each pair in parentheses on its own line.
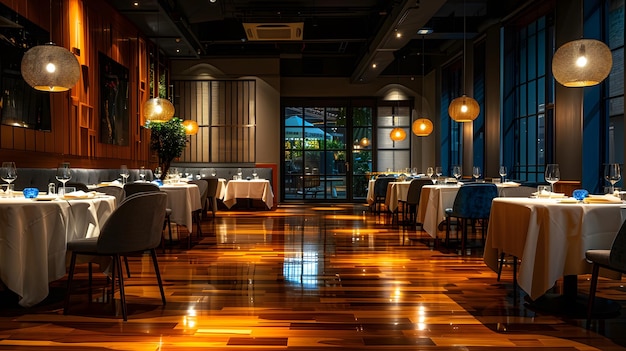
(50,22)
(423,59)
(464,46)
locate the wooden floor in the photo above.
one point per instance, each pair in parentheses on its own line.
(307,278)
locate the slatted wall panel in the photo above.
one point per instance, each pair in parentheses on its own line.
(226,113)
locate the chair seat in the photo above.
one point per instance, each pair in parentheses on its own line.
(600,257)
(84,245)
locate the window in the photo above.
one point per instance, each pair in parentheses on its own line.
(615,82)
(452,132)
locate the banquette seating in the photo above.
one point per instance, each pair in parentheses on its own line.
(40,177)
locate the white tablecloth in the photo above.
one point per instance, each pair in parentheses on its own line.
(396,191)
(33,237)
(248,189)
(549,237)
(434,199)
(371,198)
(182,199)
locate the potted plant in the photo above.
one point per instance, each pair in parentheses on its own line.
(168,139)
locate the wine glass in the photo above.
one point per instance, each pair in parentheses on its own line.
(213,172)
(476,173)
(124,173)
(239,173)
(254,173)
(503,173)
(8,174)
(612,174)
(457,172)
(438,171)
(429,173)
(552,175)
(142,173)
(64,174)
(158,172)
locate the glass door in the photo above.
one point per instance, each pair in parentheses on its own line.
(321,144)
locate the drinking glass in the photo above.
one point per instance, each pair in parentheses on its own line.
(213,172)
(457,172)
(64,174)
(239,173)
(552,174)
(124,173)
(8,173)
(612,174)
(438,171)
(476,172)
(503,173)
(158,172)
(142,173)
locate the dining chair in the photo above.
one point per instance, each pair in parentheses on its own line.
(142,187)
(211,199)
(472,202)
(409,206)
(613,259)
(112,190)
(134,227)
(380,191)
(203,187)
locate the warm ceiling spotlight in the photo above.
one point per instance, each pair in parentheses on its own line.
(374,65)
(582,63)
(136,3)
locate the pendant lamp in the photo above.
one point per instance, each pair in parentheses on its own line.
(50,67)
(191,127)
(365,142)
(464,108)
(422,126)
(397,134)
(582,63)
(158,110)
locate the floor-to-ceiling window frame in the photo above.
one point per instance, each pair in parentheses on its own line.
(528,95)
(478,131)
(393,155)
(451,132)
(614,89)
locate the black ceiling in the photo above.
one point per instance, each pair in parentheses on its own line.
(339,37)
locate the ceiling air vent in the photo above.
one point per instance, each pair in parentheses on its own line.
(274,31)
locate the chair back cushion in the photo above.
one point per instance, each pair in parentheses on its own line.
(136,225)
(112,190)
(617,258)
(474,200)
(203,187)
(380,186)
(142,187)
(415,190)
(213,182)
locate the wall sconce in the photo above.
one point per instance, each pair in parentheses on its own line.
(158,110)
(582,63)
(191,127)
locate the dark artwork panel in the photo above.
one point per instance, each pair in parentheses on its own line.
(20,104)
(114,112)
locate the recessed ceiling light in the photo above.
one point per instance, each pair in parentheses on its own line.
(398,34)
(424,31)
(136,3)
(373,65)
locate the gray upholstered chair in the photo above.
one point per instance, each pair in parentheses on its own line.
(213,183)
(142,187)
(203,187)
(112,190)
(135,226)
(613,259)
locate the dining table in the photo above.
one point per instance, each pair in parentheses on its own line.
(550,238)
(259,189)
(396,192)
(183,199)
(34,235)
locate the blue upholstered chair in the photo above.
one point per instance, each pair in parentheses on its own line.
(613,259)
(472,202)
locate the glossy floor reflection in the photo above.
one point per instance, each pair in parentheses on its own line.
(307,278)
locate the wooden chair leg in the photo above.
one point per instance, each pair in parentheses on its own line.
(592,293)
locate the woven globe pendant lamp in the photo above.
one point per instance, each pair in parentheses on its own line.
(158,110)
(422,127)
(50,68)
(397,134)
(582,63)
(464,109)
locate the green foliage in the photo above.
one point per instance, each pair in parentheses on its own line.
(168,140)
